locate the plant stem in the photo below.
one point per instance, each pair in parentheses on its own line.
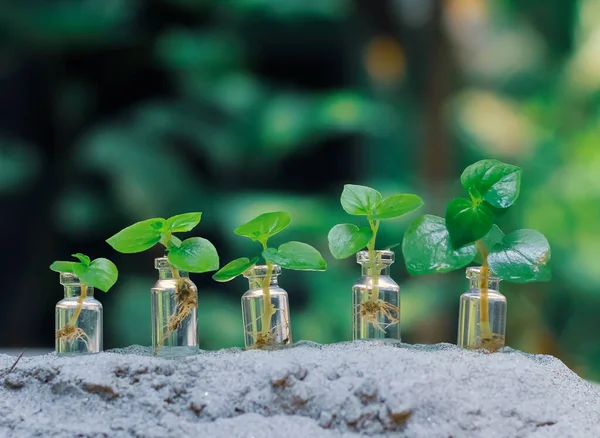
(373,262)
(268,308)
(79,307)
(484,276)
(174,272)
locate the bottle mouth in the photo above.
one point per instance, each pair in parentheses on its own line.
(385,257)
(261,271)
(475,272)
(69,279)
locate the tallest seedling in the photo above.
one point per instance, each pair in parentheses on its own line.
(468,234)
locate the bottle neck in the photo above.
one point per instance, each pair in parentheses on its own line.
(258,281)
(492,284)
(75,290)
(170,273)
(367,270)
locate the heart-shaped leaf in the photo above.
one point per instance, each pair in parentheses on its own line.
(395,206)
(499,183)
(296,255)
(347,239)
(138,237)
(101,274)
(427,248)
(467,221)
(182,223)
(523,256)
(234,268)
(194,255)
(264,226)
(360,200)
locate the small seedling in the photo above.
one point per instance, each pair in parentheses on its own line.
(100,273)
(195,255)
(346,240)
(291,255)
(468,234)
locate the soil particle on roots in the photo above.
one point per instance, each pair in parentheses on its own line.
(339,390)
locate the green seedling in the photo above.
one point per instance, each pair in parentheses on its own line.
(195,255)
(291,255)
(346,240)
(100,274)
(469,234)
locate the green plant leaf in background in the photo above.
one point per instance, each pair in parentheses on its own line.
(346,239)
(138,237)
(523,256)
(497,182)
(234,268)
(101,273)
(427,248)
(194,255)
(360,200)
(467,221)
(395,206)
(264,226)
(182,223)
(296,255)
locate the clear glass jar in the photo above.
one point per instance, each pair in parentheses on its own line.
(266,319)
(376,299)
(78,318)
(174,312)
(482,327)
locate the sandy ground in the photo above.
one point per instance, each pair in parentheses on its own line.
(310,390)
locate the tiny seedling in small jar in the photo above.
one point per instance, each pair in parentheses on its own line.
(265,308)
(468,234)
(79,315)
(174,297)
(376,297)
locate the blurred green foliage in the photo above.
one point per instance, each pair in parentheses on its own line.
(119,110)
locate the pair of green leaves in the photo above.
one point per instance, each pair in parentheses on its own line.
(192,255)
(347,239)
(292,255)
(493,186)
(100,273)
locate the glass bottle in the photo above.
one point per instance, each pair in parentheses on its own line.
(260,329)
(78,318)
(376,299)
(174,312)
(473,332)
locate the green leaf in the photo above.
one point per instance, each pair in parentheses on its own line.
(467,221)
(234,268)
(499,183)
(82,258)
(101,274)
(194,255)
(427,248)
(138,237)
(182,223)
(264,226)
(523,256)
(63,266)
(395,206)
(360,200)
(296,255)
(490,240)
(347,239)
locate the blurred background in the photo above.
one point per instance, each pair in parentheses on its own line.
(114,111)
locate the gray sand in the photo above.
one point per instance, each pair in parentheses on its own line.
(311,390)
